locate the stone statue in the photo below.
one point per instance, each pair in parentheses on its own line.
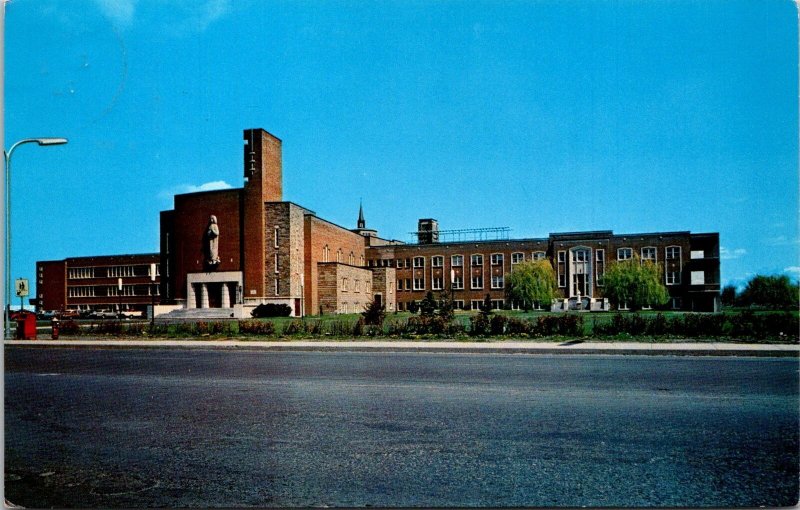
(212,241)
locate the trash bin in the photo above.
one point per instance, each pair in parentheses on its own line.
(55,326)
(26,326)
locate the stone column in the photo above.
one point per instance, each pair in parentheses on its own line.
(226,295)
(191,300)
(203,295)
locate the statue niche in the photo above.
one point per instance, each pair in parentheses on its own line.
(211,243)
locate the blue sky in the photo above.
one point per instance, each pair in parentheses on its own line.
(542,116)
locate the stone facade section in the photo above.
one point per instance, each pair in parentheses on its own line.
(325,242)
(384,283)
(343,288)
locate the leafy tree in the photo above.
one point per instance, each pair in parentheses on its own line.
(413,306)
(774,292)
(446,306)
(728,295)
(486,307)
(374,313)
(427,307)
(637,284)
(532,283)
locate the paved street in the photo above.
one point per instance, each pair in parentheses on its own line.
(208,427)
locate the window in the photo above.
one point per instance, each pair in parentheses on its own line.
(458,282)
(345,284)
(624,253)
(562,280)
(276,236)
(649,253)
(562,256)
(497,259)
(408,262)
(539,255)
(457,260)
(600,266)
(581,255)
(87,291)
(436,283)
(81,272)
(673,252)
(408,283)
(673,277)
(477,282)
(516,258)
(698,278)
(357,285)
(339,255)
(276,287)
(400,263)
(351,259)
(437,261)
(697,254)
(276,263)
(497,304)
(476,304)
(399,284)
(419,283)
(458,304)
(419,261)
(326,252)
(120,271)
(676,303)
(497,282)
(368,286)
(476,260)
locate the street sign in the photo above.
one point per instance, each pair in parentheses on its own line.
(21,285)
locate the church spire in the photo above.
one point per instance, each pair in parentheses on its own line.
(361,222)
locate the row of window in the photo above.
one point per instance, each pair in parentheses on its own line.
(437,283)
(112,290)
(351,259)
(646,253)
(129,271)
(345,285)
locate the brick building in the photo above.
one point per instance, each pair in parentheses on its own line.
(92,283)
(224,252)
(472,269)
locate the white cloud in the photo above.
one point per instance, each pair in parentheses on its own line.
(726,254)
(120,12)
(192,188)
(781,240)
(792,269)
(179,17)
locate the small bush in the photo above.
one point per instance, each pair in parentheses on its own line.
(570,325)
(271,310)
(70,328)
(497,324)
(294,327)
(479,325)
(515,326)
(340,328)
(374,313)
(251,327)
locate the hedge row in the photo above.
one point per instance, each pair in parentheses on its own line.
(745,325)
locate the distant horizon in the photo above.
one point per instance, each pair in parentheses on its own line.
(544,117)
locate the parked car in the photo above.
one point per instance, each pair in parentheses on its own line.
(130,314)
(70,314)
(102,314)
(45,315)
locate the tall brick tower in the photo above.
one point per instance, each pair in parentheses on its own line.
(263,183)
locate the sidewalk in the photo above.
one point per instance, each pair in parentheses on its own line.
(436,346)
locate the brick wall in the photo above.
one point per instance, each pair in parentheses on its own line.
(189,224)
(384,282)
(318,234)
(343,288)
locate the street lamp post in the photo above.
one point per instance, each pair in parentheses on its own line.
(8,154)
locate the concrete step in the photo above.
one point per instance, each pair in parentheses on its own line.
(198,313)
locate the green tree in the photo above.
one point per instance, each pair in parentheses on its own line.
(635,284)
(774,292)
(374,313)
(446,306)
(728,295)
(427,306)
(486,307)
(532,283)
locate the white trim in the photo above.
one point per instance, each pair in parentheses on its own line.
(654,251)
(452,264)
(626,258)
(434,257)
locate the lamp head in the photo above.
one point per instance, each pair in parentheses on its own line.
(51,141)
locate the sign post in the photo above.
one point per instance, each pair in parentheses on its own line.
(21,285)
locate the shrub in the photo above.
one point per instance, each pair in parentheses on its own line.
(294,327)
(271,310)
(358,327)
(210,328)
(479,325)
(413,306)
(340,328)
(570,325)
(70,328)
(251,327)
(497,324)
(427,307)
(374,313)
(515,326)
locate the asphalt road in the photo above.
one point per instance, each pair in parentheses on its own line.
(189,427)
